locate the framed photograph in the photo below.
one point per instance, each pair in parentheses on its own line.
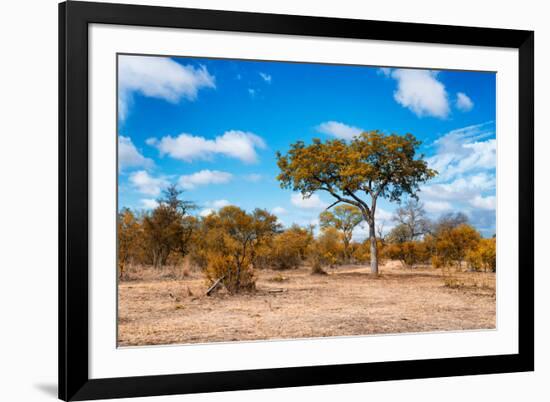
(258,201)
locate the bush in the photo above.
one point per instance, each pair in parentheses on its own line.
(361,251)
(483,257)
(410,253)
(227,243)
(286,250)
(329,247)
(452,245)
(235,276)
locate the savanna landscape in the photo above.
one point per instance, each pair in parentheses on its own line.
(339,231)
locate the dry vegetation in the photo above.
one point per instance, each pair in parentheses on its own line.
(170,306)
(236,275)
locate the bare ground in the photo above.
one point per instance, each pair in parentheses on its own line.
(347,301)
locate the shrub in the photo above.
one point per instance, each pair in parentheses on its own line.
(329,247)
(410,253)
(288,249)
(361,251)
(452,244)
(483,257)
(235,275)
(227,243)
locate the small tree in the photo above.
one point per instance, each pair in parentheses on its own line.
(229,239)
(289,248)
(373,165)
(167,229)
(449,221)
(452,245)
(399,234)
(329,247)
(410,253)
(411,219)
(171,198)
(129,233)
(484,256)
(343,218)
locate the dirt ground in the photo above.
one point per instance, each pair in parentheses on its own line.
(296,304)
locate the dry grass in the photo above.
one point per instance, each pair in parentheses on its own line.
(170,307)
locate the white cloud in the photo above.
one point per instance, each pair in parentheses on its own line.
(159,77)
(437,207)
(129,156)
(252,92)
(234,144)
(253,177)
(461,189)
(207,211)
(266,77)
(463,102)
(339,130)
(279,211)
(466,161)
(383,215)
(220,203)
(204,177)
(421,92)
(480,202)
(146,183)
(149,203)
(385,71)
(213,206)
(313,202)
(463,151)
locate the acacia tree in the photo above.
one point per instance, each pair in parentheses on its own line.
(344,218)
(373,165)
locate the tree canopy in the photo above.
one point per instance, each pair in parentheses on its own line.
(371,166)
(344,218)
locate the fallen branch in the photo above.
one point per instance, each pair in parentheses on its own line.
(214,286)
(276,290)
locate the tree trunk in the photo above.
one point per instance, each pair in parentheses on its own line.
(346,251)
(238,279)
(373,249)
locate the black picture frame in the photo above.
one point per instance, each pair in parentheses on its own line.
(74,381)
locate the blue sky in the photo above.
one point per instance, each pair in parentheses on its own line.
(213,126)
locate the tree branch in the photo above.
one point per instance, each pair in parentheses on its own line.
(360,201)
(333,204)
(340,198)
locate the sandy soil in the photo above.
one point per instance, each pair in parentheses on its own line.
(347,301)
